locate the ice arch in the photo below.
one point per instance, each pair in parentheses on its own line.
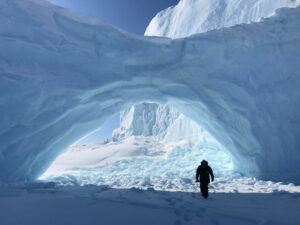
(62,75)
(155,146)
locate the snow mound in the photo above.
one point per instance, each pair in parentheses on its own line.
(198,16)
(62,75)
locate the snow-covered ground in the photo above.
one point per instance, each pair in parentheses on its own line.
(94,205)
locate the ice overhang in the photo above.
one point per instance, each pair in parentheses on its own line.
(62,73)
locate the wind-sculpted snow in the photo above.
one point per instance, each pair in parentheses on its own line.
(198,16)
(63,75)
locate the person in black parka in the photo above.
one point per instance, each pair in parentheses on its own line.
(203,172)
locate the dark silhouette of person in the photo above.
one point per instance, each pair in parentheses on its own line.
(203,172)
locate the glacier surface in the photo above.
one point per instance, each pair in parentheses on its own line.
(198,16)
(63,74)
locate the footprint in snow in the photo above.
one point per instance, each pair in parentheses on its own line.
(177,212)
(187,218)
(198,214)
(177,222)
(215,222)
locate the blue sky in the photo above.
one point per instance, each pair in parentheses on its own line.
(104,132)
(131,15)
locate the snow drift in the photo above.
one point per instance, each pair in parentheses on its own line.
(63,75)
(198,16)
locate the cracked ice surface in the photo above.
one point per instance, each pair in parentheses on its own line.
(63,75)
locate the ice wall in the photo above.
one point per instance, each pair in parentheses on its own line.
(147,119)
(184,19)
(163,122)
(62,75)
(198,16)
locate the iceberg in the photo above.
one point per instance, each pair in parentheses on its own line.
(198,16)
(63,74)
(163,122)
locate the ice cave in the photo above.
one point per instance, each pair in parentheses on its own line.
(63,74)
(209,79)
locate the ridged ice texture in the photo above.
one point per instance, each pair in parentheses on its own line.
(163,122)
(147,119)
(197,16)
(62,75)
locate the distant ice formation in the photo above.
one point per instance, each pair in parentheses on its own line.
(63,74)
(198,16)
(161,121)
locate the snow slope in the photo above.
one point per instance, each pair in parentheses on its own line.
(198,16)
(62,75)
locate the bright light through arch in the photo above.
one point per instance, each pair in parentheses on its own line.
(156,146)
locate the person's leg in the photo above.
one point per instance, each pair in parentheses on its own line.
(205,190)
(202,188)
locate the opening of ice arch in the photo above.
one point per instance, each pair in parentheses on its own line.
(63,75)
(155,146)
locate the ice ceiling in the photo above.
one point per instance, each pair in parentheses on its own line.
(63,75)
